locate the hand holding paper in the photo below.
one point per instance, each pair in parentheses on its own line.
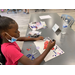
(54,52)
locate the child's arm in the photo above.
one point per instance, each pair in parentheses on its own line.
(26,61)
(29,39)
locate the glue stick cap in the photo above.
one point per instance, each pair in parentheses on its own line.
(53,40)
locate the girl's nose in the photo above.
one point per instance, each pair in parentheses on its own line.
(18,31)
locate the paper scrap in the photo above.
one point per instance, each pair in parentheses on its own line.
(28,49)
(37,48)
(45,17)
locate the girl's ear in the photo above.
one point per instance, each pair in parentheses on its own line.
(3,34)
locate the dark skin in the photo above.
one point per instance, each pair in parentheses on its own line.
(13,31)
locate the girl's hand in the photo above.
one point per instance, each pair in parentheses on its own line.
(39,38)
(51,44)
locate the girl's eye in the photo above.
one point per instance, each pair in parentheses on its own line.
(16,31)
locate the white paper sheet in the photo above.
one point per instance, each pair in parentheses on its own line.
(52,54)
(45,17)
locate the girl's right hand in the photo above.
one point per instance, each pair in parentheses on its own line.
(51,44)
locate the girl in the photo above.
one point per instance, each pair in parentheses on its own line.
(9,48)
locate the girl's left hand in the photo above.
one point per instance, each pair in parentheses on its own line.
(39,38)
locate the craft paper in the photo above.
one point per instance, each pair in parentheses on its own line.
(54,52)
(45,17)
(37,25)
